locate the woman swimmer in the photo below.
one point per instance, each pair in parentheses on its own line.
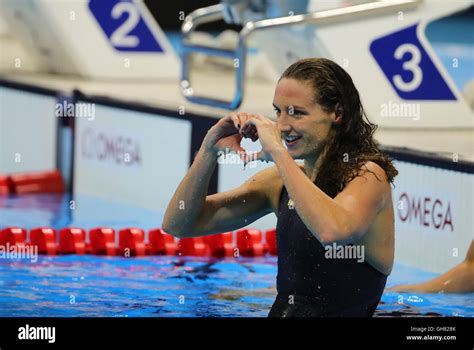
(335,204)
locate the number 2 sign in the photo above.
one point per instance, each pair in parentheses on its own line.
(408,67)
(124,26)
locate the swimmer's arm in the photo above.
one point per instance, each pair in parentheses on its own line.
(459,279)
(343,219)
(220,212)
(234,209)
(190,196)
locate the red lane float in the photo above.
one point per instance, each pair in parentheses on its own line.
(249,242)
(44,182)
(220,245)
(72,241)
(102,241)
(161,243)
(132,242)
(271,245)
(5,185)
(13,236)
(193,247)
(45,239)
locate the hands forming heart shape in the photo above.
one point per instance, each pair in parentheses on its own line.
(228,133)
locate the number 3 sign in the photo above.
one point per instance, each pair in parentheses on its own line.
(124,26)
(408,67)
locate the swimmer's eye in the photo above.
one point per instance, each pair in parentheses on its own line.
(296,112)
(291,111)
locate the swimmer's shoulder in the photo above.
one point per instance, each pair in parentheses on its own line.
(379,173)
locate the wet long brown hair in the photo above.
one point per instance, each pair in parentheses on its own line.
(352,144)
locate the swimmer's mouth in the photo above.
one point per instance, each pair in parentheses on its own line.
(291,140)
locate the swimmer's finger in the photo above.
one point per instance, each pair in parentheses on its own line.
(253,134)
(237,148)
(241,152)
(250,128)
(244,130)
(250,124)
(250,131)
(243,117)
(251,121)
(235,120)
(243,157)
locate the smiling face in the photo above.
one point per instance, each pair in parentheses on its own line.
(304,125)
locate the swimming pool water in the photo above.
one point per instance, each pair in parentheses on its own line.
(161,286)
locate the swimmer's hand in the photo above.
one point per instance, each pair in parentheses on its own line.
(265,130)
(224,136)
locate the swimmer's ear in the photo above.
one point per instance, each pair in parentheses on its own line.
(339,113)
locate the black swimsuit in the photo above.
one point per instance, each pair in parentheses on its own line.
(311,285)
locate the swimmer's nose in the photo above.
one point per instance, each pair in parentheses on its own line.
(283,124)
(285,129)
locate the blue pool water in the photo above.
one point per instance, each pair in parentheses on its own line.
(74,286)
(159,286)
